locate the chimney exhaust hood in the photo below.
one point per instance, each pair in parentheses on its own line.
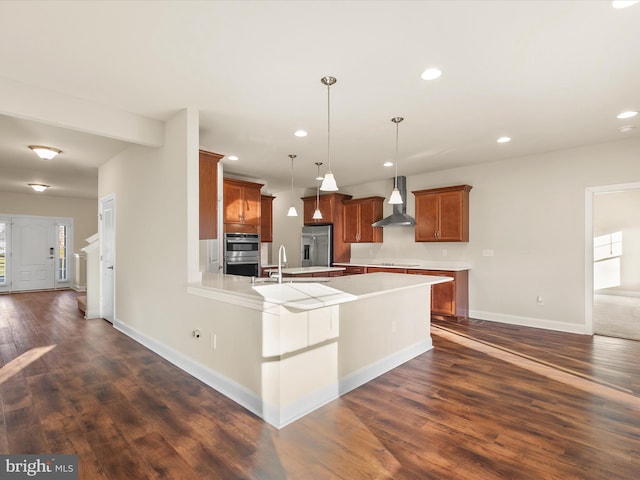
(399,217)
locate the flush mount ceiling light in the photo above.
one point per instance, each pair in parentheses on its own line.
(233,158)
(431,74)
(329,183)
(46,153)
(292,210)
(38,187)
(504,140)
(317,214)
(628,114)
(626,128)
(396,198)
(300,133)
(387,164)
(623,3)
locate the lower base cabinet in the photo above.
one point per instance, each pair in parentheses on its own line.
(449,299)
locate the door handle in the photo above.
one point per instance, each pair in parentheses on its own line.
(110,268)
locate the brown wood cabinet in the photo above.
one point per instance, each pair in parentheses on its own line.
(354,269)
(209,194)
(442,214)
(331,209)
(242,205)
(358,215)
(450,299)
(266,218)
(386,269)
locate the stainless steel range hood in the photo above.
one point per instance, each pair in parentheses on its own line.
(399,217)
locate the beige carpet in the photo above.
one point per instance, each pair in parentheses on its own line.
(616,316)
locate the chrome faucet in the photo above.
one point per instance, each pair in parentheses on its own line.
(282,258)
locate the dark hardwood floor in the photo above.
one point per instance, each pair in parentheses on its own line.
(490,401)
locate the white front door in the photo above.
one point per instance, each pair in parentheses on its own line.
(34,250)
(107,258)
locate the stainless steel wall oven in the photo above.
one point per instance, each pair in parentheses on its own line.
(242,254)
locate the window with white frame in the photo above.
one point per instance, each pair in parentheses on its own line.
(3,252)
(62,257)
(607,251)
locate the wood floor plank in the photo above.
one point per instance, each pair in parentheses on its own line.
(461,411)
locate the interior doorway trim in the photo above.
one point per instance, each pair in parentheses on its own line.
(590,193)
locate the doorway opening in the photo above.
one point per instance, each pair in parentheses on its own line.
(613,260)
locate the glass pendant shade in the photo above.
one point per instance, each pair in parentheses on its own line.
(396,198)
(329,183)
(317,215)
(292,210)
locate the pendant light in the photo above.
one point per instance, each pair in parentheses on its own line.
(396,198)
(329,182)
(292,210)
(317,215)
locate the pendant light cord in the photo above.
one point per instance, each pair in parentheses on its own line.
(292,157)
(395,180)
(329,125)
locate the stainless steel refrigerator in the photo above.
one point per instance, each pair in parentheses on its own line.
(317,242)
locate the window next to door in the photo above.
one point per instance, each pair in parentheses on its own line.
(63,253)
(3,252)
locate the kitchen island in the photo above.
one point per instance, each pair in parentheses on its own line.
(303,344)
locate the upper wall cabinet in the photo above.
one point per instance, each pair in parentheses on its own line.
(442,214)
(266,219)
(209,194)
(358,215)
(242,206)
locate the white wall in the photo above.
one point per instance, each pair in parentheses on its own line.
(531,213)
(84,211)
(287,231)
(156,248)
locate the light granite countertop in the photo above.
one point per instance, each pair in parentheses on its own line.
(262,295)
(408,264)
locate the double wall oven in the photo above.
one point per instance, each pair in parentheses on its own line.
(242,254)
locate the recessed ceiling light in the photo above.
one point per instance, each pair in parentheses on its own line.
(503,140)
(626,128)
(46,153)
(628,114)
(300,133)
(38,187)
(233,158)
(431,74)
(387,164)
(623,3)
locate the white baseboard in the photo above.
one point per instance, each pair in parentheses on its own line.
(618,293)
(529,322)
(278,417)
(89,314)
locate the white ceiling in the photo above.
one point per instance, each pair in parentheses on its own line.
(549,74)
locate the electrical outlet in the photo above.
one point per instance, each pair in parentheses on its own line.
(196,333)
(539,300)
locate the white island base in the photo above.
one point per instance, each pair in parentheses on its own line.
(311,357)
